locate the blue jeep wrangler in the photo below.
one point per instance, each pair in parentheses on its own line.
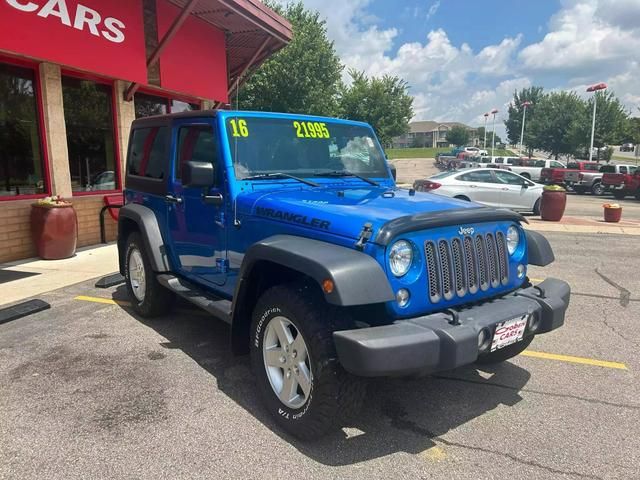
(291,229)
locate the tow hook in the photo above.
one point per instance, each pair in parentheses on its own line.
(455,316)
(365,235)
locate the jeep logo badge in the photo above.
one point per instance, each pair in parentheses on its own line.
(466,231)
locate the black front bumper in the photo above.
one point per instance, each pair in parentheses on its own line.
(432,343)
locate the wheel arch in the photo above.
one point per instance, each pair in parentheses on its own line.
(356,277)
(134,217)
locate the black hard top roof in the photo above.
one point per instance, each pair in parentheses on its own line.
(167,118)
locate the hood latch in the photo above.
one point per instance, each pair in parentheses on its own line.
(365,235)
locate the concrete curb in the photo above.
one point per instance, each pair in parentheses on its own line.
(564,228)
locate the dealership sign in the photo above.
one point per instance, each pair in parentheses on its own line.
(99,36)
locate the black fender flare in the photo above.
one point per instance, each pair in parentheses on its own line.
(148,226)
(539,251)
(358,279)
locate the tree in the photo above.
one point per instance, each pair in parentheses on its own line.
(458,135)
(304,77)
(556,127)
(382,102)
(516,109)
(632,130)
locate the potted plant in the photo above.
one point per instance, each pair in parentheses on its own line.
(553,203)
(612,212)
(54,228)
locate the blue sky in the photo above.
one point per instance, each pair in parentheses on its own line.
(463,58)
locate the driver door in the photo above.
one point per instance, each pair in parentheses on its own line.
(197,239)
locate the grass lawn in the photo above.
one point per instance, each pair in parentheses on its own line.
(393,153)
(621,159)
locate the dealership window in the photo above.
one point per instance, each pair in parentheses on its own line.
(88,118)
(21,166)
(147,105)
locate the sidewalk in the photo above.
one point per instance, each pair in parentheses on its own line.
(34,277)
(584,225)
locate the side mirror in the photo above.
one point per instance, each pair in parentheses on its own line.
(394,172)
(198,175)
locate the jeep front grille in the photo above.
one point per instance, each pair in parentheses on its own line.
(465,265)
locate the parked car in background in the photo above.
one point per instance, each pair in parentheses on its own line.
(476,151)
(622,184)
(531,168)
(627,147)
(555,175)
(581,182)
(493,187)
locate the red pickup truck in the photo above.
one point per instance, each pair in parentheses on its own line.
(622,184)
(556,175)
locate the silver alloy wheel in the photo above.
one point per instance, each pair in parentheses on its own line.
(287,363)
(137,274)
(598,189)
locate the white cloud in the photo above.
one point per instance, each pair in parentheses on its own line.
(433,9)
(587,41)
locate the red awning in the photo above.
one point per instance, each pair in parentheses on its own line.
(253,33)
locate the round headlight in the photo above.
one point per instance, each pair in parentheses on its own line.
(400,257)
(513,239)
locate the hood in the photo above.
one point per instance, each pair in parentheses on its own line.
(343,211)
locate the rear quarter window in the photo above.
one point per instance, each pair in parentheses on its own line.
(147,153)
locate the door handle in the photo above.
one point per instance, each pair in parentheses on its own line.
(473,186)
(504,188)
(172,199)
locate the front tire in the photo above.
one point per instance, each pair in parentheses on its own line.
(505,353)
(536,208)
(293,357)
(148,297)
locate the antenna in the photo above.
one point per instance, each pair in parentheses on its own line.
(236,222)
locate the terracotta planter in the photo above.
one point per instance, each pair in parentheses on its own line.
(552,205)
(612,215)
(54,231)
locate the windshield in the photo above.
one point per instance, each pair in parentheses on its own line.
(303,148)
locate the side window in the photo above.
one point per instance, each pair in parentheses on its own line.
(499,160)
(195,143)
(540,163)
(483,176)
(148,154)
(623,169)
(507,178)
(556,165)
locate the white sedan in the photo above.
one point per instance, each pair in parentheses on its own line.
(489,186)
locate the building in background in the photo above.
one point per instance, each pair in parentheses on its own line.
(74,74)
(431,134)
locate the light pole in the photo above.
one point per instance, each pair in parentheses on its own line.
(524,116)
(484,144)
(594,88)
(493,138)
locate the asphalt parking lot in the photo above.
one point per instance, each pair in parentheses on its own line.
(91,391)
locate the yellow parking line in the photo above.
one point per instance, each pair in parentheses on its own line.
(537,280)
(571,359)
(102,300)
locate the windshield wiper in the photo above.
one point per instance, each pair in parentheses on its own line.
(347,173)
(263,176)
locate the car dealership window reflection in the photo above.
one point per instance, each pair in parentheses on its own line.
(147,105)
(90,139)
(20,152)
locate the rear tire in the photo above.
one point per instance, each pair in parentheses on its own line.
(505,353)
(597,189)
(148,297)
(323,395)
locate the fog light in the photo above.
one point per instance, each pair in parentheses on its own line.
(484,340)
(534,323)
(521,271)
(402,297)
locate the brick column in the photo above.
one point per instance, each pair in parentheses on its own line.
(125,115)
(55,130)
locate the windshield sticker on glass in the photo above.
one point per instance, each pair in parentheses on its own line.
(311,129)
(239,128)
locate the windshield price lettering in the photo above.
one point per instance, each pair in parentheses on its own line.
(311,130)
(239,128)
